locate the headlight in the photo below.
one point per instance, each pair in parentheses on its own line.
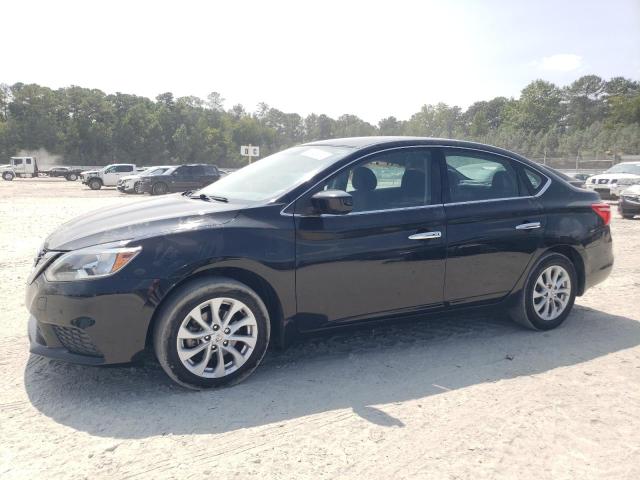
(88,263)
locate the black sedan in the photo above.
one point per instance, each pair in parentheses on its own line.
(314,237)
(180,179)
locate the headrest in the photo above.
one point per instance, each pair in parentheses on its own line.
(364,179)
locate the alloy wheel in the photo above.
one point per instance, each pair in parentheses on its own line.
(217,337)
(552,292)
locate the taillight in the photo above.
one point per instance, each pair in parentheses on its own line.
(604,211)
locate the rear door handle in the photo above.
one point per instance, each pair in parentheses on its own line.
(425,236)
(528,226)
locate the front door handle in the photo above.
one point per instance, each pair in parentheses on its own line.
(528,226)
(425,236)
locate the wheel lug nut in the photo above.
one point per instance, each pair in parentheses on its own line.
(227,330)
(216,327)
(214,347)
(225,343)
(207,338)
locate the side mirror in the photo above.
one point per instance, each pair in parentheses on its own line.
(335,202)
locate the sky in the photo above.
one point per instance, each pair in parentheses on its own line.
(369,58)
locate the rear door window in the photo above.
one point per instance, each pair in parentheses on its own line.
(478,176)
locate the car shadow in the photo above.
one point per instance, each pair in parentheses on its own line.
(355,370)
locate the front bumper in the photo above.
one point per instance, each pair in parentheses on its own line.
(90,322)
(603,189)
(628,206)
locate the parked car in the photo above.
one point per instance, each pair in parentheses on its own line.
(314,237)
(605,182)
(133,183)
(180,179)
(575,179)
(69,173)
(623,184)
(107,176)
(629,204)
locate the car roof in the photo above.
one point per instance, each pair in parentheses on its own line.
(359,143)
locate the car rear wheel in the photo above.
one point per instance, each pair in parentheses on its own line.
(211,333)
(95,184)
(628,216)
(549,293)
(159,189)
(72,177)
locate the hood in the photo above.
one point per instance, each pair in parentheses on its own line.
(633,190)
(130,177)
(147,218)
(87,172)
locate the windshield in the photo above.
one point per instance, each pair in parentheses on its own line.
(155,171)
(274,175)
(625,168)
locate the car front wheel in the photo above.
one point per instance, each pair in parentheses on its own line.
(549,293)
(211,333)
(95,184)
(159,189)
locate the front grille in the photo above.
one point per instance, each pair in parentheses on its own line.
(76,341)
(603,181)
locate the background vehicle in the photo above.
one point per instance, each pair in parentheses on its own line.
(623,184)
(311,238)
(133,183)
(180,179)
(69,173)
(28,167)
(572,178)
(107,176)
(629,204)
(604,183)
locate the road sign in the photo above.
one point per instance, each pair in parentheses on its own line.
(249,151)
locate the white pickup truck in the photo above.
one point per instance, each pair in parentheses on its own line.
(107,176)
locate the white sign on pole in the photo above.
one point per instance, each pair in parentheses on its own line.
(249,151)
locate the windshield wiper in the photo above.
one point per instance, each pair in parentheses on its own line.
(208,198)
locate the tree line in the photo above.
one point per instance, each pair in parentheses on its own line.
(589,117)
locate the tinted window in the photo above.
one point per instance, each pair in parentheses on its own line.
(124,168)
(197,171)
(17,161)
(397,179)
(28,161)
(479,176)
(536,180)
(210,170)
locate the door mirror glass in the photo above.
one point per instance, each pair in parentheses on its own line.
(335,202)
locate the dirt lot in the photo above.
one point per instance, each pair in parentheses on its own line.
(470,397)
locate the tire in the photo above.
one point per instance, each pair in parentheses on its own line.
(137,188)
(8,176)
(95,184)
(175,320)
(72,177)
(159,188)
(628,216)
(530,312)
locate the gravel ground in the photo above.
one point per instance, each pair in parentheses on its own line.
(465,397)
